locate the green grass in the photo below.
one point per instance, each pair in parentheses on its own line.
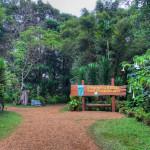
(121,134)
(79,120)
(8,122)
(29,106)
(22,106)
(64,110)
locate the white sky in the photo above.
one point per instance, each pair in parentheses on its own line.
(72,6)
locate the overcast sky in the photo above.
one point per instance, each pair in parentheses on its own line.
(72,6)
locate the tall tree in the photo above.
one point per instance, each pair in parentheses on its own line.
(87,22)
(29,49)
(2,82)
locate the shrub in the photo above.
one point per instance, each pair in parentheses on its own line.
(118,105)
(74,104)
(75,97)
(123,110)
(16,97)
(138,81)
(7,98)
(60,99)
(48,97)
(121,104)
(130,112)
(2,82)
(147,119)
(140,113)
(52,101)
(56,99)
(41,99)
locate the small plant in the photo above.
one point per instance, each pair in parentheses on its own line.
(75,97)
(120,104)
(52,101)
(74,104)
(16,98)
(7,98)
(130,112)
(147,119)
(123,110)
(140,113)
(48,97)
(41,99)
(15,102)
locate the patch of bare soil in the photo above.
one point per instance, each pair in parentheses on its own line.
(45,128)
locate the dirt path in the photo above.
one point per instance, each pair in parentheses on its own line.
(45,128)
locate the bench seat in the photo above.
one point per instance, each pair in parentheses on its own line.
(98,105)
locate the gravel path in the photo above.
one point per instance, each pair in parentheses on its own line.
(45,128)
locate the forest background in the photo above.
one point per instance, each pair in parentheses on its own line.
(45,50)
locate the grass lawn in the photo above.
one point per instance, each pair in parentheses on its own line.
(22,106)
(29,106)
(121,134)
(8,122)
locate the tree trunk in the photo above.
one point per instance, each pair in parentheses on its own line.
(25,97)
(108,47)
(22,81)
(90,51)
(2,103)
(115,68)
(89,47)
(54,75)
(38,91)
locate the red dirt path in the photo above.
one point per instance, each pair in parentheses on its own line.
(45,128)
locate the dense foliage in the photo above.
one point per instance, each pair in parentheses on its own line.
(139,81)
(138,98)
(47,50)
(2,83)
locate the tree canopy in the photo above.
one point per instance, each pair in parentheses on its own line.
(50,50)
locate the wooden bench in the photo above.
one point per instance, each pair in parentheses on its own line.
(98,105)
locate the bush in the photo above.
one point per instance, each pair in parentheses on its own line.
(60,99)
(118,105)
(48,97)
(130,112)
(123,110)
(121,104)
(56,99)
(74,104)
(41,99)
(16,97)
(140,113)
(52,101)
(7,98)
(138,81)
(147,119)
(75,97)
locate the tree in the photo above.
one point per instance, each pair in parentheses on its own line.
(139,81)
(106,30)
(87,22)
(105,71)
(2,29)
(92,71)
(52,24)
(65,17)
(29,49)
(2,82)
